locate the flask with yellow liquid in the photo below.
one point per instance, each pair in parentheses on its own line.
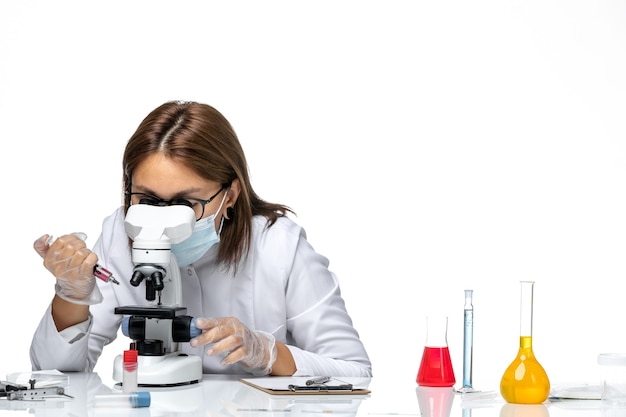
(525,381)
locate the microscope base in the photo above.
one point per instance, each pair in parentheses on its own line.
(167,370)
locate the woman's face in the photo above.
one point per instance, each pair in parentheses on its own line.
(168,179)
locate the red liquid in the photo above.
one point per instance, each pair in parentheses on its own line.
(436,368)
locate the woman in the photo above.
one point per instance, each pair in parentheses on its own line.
(265,300)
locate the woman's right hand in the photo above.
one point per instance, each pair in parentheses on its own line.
(72,263)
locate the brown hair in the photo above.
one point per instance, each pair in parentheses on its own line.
(200,137)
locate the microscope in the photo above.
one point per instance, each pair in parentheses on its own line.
(157,328)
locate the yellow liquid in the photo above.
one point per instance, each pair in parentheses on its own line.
(525,381)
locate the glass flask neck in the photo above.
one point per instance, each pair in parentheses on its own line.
(526,309)
(526,342)
(436,331)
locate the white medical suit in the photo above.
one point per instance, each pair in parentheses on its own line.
(282,287)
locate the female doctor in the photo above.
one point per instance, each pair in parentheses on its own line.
(264,299)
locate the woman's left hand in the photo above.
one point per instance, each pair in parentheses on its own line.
(254,348)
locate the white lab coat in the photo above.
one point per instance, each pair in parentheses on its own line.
(283,287)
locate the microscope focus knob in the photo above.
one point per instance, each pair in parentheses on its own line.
(134,327)
(184,329)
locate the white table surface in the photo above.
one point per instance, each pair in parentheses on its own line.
(221,395)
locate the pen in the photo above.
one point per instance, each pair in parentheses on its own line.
(318,380)
(323,388)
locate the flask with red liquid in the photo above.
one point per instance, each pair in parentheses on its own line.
(436,366)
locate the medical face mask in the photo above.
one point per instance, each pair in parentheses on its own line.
(203,237)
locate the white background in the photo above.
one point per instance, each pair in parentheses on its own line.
(426,146)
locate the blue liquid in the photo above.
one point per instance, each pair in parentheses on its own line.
(468,347)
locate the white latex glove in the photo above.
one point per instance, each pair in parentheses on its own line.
(72,263)
(254,348)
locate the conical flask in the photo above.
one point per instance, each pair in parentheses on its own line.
(525,381)
(436,365)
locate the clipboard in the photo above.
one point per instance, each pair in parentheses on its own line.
(290,385)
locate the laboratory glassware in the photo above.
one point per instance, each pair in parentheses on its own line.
(129,375)
(436,365)
(525,381)
(129,400)
(468,342)
(613,378)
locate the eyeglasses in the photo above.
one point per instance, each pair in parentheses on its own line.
(197,204)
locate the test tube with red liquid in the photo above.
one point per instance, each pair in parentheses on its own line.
(129,376)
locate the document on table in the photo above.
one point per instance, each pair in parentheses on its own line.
(290,385)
